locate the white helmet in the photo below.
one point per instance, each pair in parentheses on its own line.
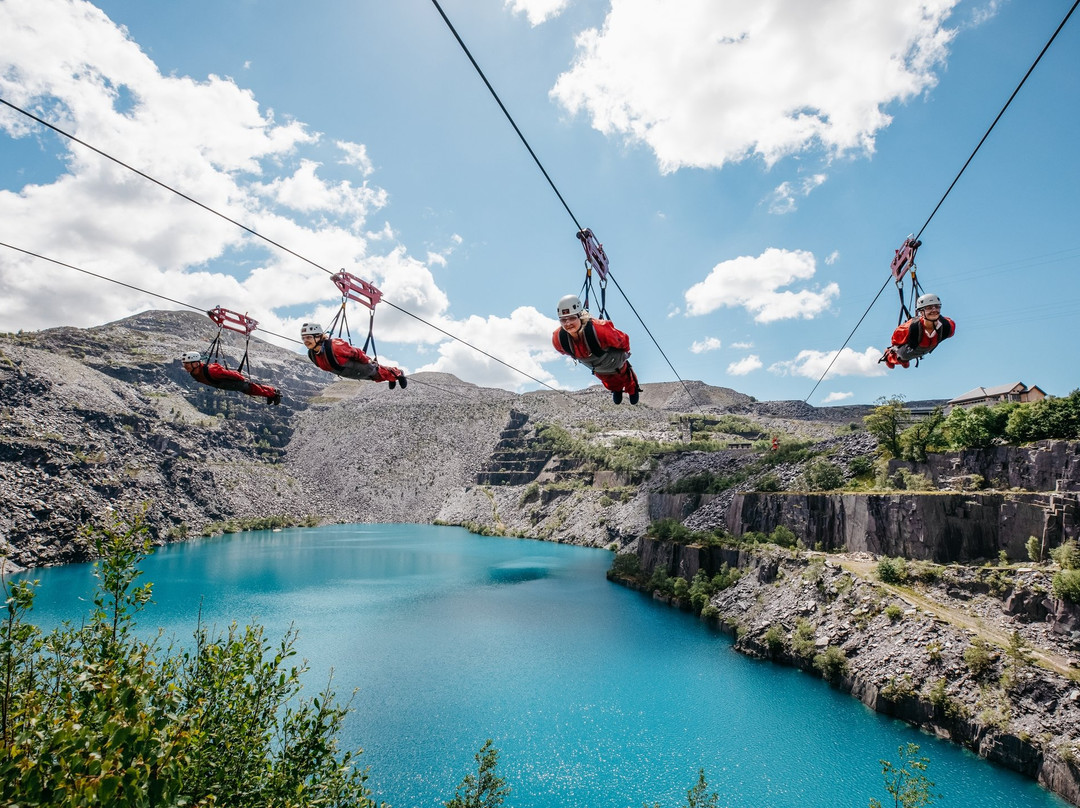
(569,305)
(311,330)
(192,356)
(926,300)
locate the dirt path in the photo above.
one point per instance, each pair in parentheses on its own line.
(1051,660)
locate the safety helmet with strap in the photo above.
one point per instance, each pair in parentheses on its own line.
(192,356)
(311,330)
(927,300)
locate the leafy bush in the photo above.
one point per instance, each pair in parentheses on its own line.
(220,724)
(802,639)
(774,639)
(831,663)
(1067,585)
(893,612)
(626,565)
(1067,555)
(783,536)
(1034,549)
(861,466)
(978,658)
(892,570)
(821,475)
(769,483)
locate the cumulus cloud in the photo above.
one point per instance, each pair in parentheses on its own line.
(757,285)
(742,346)
(834,397)
(707,344)
(743,366)
(355,154)
(784,196)
(537,11)
(523,340)
(66,61)
(703,83)
(812,364)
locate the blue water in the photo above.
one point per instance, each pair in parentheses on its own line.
(595,696)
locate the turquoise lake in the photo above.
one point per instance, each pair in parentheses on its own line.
(595,696)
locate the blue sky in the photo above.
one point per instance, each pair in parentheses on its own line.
(750,167)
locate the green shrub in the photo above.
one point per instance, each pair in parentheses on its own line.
(1067,555)
(802,639)
(821,475)
(626,565)
(774,639)
(1067,585)
(831,663)
(861,466)
(892,570)
(783,536)
(769,483)
(893,612)
(1034,549)
(220,724)
(978,658)
(898,688)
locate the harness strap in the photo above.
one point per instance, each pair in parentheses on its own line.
(589,332)
(327,351)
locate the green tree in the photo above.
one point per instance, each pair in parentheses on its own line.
(626,565)
(485,789)
(1067,555)
(907,783)
(821,475)
(887,422)
(923,436)
(698,796)
(1066,585)
(221,725)
(976,427)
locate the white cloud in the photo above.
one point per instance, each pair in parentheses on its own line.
(812,364)
(708,82)
(832,257)
(757,284)
(523,340)
(782,199)
(707,344)
(743,366)
(742,346)
(208,138)
(355,154)
(537,11)
(832,397)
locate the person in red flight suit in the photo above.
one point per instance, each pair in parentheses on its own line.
(218,376)
(598,345)
(339,357)
(921,334)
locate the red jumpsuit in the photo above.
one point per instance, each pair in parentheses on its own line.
(605,351)
(222,378)
(339,357)
(913,340)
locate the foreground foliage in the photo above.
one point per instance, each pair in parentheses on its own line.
(94,715)
(906,783)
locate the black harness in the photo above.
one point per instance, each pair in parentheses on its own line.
(327,352)
(915,333)
(590,339)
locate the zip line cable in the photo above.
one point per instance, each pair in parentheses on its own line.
(1038,58)
(182,303)
(128,285)
(255,233)
(543,171)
